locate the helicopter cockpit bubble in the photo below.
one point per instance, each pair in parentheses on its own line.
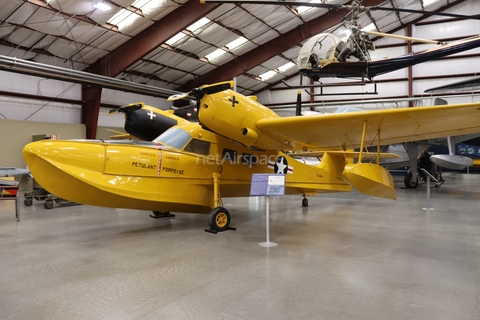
(319,51)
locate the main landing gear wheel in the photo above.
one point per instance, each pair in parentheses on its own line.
(219,220)
(408,181)
(161,215)
(304,200)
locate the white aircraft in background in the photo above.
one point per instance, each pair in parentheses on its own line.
(12,171)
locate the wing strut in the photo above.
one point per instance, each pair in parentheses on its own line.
(362,144)
(378,147)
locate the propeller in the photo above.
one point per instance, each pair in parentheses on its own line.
(198,93)
(126,108)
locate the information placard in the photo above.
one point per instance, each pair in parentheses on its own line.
(264,184)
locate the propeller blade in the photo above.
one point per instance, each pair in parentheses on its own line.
(127,108)
(178,96)
(198,93)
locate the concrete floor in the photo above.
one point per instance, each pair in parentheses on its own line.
(345,257)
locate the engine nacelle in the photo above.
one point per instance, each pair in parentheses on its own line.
(234,116)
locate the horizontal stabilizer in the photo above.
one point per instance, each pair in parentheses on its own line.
(370,179)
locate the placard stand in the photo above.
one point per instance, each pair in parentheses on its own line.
(267,243)
(429,177)
(267,185)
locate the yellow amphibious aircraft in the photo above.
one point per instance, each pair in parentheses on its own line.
(191,166)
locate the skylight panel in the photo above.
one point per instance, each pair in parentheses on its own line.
(426,3)
(175,38)
(286,66)
(268,75)
(370,27)
(197,25)
(120,17)
(236,43)
(140,3)
(99,4)
(215,54)
(302,9)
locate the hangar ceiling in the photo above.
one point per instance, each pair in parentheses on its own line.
(178,44)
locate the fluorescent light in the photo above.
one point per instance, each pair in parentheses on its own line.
(236,43)
(175,38)
(268,75)
(200,23)
(101,5)
(286,66)
(215,54)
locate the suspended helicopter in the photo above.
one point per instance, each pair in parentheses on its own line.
(326,55)
(191,166)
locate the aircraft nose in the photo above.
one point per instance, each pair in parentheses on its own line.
(79,154)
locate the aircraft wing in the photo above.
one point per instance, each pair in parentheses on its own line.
(334,131)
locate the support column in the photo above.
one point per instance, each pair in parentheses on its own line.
(90,108)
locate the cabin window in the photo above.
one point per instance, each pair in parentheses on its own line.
(174,137)
(249,159)
(198,146)
(229,155)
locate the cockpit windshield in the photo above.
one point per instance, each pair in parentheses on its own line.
(175,137)
(319,48)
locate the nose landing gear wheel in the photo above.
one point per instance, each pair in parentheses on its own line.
(219,220)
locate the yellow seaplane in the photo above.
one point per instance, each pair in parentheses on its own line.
(191,166)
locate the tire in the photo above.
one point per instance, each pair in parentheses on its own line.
(48,204)
(304,202)
(219,219)
(408,181)
(28,202)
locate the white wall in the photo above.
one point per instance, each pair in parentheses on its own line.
(14,108)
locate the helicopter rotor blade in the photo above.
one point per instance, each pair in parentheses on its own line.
(333,6)
(387,35)
(446,14)
(281,3)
